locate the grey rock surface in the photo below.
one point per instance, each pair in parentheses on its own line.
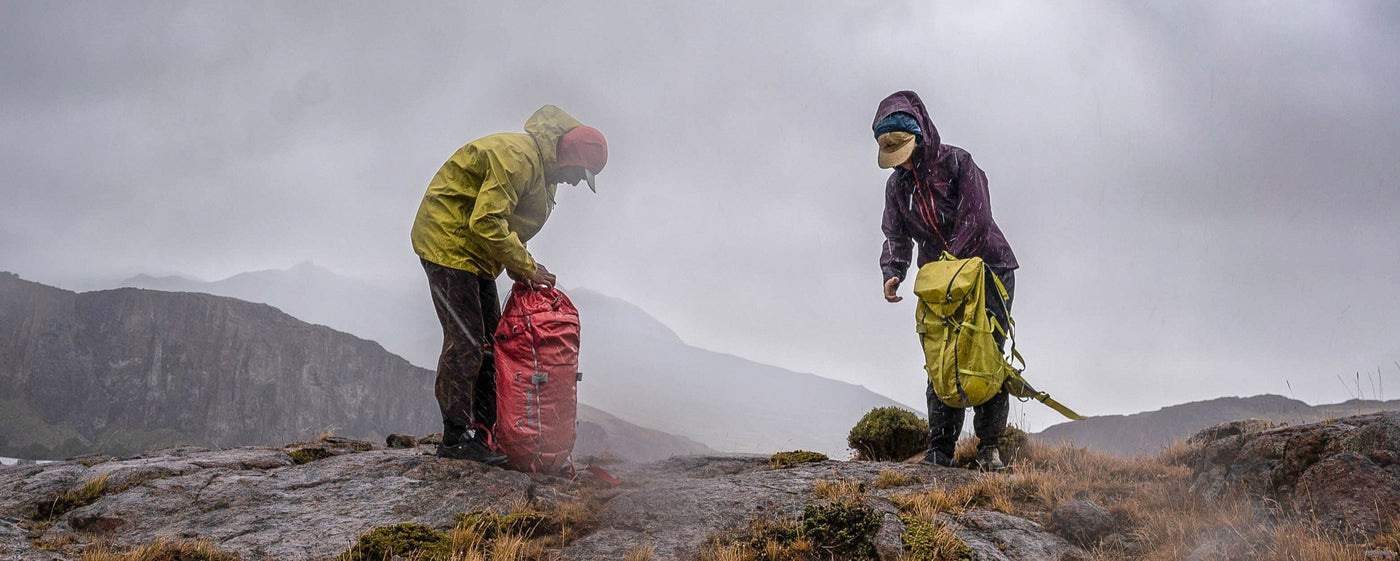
(1081,522)
(995,536)
(257,503)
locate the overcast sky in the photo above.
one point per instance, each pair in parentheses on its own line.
(1202,195)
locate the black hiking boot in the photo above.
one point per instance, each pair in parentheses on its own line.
(989,459)
(938,458)
(474,450)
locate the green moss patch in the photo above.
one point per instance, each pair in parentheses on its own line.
(789,459)
(408,540)
(309,454)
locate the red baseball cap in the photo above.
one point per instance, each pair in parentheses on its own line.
(585,147)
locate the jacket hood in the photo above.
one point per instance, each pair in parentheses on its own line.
(547,126)
(909,102)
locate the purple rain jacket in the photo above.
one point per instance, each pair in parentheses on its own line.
(946,191)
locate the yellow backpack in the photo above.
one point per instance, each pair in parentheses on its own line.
(964,362)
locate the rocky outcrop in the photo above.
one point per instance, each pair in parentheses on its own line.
(1344,473)
(1148,433)
(129,370)
(260,503)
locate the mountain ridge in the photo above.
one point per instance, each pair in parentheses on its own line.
(1150,432)
(126,370)
(635,367)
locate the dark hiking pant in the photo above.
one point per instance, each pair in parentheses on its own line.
(469,309)
(989,419)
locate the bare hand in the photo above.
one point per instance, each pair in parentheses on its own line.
(890,286)
(542,277)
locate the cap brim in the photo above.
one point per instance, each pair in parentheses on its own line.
(588,176)
(898,156)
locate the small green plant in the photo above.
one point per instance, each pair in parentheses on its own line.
(837,530)
(841,529)
(414,541)
(932,541)
(789,459)
(525,523)
(888,434)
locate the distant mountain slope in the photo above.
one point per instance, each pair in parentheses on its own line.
(604,436)
(126,370)
(1149,432)
(634,366)
(638,369)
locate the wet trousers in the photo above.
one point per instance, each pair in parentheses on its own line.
(469,310)
(989,419)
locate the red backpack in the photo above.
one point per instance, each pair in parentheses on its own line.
(537,377)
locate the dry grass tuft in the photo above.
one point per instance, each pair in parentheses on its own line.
(161,551)
(890,479)
(965,452)
(70,500)
(1159,518)
(1389,541)
(640,553)
(843,490)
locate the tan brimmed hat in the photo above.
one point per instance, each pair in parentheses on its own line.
(895,148)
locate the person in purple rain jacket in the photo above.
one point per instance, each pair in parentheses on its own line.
(936,198)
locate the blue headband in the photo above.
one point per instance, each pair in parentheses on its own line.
(899,121)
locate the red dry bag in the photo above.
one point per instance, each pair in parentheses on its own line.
(537,379)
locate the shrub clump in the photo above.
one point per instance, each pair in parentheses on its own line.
(888,434)
(789,459)
(1012,445)
(414,541)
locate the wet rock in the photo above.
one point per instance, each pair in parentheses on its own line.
(257,503)
(888,543)
(1343,473)
(1231,428)
(1081,522)
(995,536)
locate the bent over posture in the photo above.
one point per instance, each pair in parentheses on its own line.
(485,202)
(937,198)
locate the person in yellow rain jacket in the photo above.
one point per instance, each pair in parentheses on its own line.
(486,201)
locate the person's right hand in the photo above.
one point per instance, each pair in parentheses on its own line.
(890,286)
(542,277)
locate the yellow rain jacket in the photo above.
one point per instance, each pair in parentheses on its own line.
(491,197)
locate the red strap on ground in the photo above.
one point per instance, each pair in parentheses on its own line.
(603,475)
